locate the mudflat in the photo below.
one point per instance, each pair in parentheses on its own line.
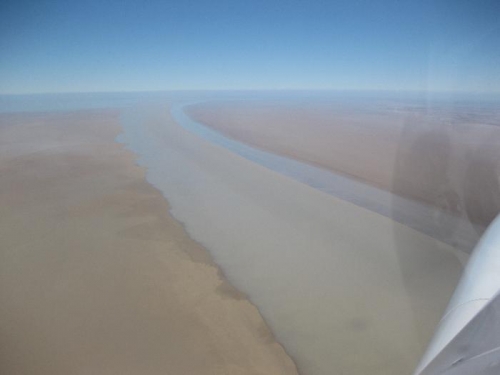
(96,277)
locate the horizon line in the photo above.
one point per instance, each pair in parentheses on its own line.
(373,90)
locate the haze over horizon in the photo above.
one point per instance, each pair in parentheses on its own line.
(98,46)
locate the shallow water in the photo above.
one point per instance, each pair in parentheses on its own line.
(345,289)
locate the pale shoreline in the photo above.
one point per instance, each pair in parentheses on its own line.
(76,293)
(415,214)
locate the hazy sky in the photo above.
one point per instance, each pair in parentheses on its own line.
(87,45)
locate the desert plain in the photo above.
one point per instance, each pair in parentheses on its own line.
(96,277)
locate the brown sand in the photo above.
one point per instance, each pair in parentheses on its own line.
(447,158)
(96,277)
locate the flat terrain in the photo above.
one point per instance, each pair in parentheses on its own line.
(447,157)
(344,289)
(96,277)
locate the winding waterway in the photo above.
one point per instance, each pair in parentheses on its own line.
(416,215)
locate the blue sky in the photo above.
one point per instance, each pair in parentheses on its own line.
(87,45)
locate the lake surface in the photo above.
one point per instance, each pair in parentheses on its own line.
(343,288)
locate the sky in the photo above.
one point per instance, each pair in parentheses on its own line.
(90,46)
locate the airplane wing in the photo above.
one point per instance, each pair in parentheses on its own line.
(467,340)
(476,348)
